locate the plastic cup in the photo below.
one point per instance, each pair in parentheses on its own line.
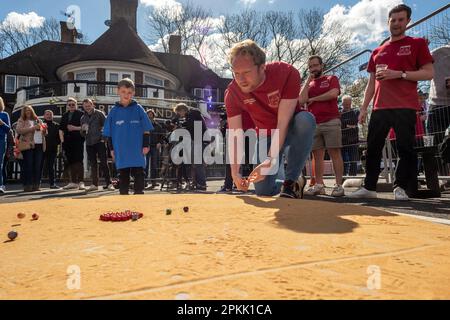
(428,141)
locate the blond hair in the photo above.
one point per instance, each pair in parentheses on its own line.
(2,105)
(24,110)
(179,107)
(72,99)
(248,47)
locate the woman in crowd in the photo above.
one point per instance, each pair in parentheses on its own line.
(5,127)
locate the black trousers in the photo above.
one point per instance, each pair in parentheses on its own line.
(94,152)
(403,121)
(124,180)
(74,151)
(49,160)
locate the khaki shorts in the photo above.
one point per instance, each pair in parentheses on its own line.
(328,135)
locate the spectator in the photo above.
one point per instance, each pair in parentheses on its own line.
(127,128)
(152,159)
(73,144)
(32,133)
(395,68)
(5,127)
(186,118)
(350,137)
(320,93)
(9,156)
(92,123)
(52,143)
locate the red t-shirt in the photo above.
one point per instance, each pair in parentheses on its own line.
(407,54)
(324,111)
(282,82)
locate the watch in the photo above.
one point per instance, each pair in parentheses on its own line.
(404,75)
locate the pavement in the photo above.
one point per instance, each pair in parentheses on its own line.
(436,208)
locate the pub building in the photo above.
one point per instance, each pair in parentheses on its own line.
(46,74)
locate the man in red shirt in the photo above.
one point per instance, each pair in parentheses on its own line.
(269,94)
(320,93)
(395,68)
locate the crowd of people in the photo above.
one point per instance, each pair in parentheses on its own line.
(295,121)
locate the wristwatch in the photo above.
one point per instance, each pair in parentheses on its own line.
(404,75)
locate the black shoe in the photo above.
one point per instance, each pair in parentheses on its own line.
(55,187)
(293,189)
(200,188)
(225,190)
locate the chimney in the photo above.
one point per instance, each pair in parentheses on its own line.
(124,9)
(175,44)
(68,35)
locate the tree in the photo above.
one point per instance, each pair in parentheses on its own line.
(441,32)
(14,39)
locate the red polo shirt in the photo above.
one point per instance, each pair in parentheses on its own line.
(324,111)
(282,82)
(407,54)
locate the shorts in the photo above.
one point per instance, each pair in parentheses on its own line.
(328,135)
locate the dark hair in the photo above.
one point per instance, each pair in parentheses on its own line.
(401,8)
(315,57)
(88,101)
(127,83)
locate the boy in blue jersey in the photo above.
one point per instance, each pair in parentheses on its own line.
(127,129)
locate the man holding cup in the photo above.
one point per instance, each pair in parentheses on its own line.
(395,68)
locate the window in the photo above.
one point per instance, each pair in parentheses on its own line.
(10,84)
(113,77)
(126,75)
(33,81)
(86,76)
(198,92)
(22,82)
(149,80)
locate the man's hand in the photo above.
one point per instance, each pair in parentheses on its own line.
(362,116)
(70,128)
(241,183)
(388,75)
(145,151)
(257,175)
(1,122)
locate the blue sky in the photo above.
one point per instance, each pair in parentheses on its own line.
(94,13)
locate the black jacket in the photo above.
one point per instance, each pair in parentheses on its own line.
(157,135)
(71,136)
(52,139)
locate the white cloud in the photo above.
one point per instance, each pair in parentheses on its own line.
(158,4)
(247,2)
(23,22)
(366,20)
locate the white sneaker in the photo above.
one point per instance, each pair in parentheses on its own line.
(81,186)
(317,189)
(363,193)
(111,188)
(71,186)
(2,190)
(338,191)
(400,194)
(91,188)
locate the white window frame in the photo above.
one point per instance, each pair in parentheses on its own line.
(120,74)
(84,72)
(22,78)
(38,81)
(154,78)
(6,82)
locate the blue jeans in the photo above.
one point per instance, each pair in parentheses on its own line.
(350,158)
(296,148)
(2,157)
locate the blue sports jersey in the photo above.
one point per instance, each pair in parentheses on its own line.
(126,127)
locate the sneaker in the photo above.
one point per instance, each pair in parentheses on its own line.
(2,190)
(400,194)
(111,187)
(149,186)
(338,191)
(363,193)
(91,188)
(315,190)
(71,186)
(224,190)
(293,189)
(81,186)
(200,188)
(54,187)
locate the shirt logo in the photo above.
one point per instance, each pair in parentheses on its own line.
(324,84)
(249,101)
(134,122)
(119,123)
(274,99)
(404,51)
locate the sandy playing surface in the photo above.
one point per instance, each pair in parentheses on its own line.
(226,247)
